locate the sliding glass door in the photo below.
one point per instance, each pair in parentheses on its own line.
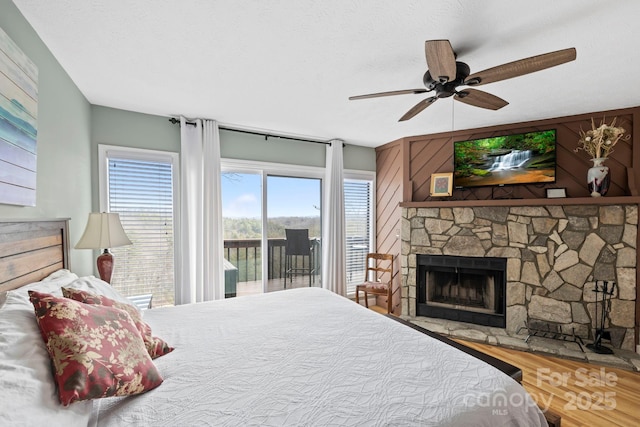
(294,204)
(259,205)
(242,223)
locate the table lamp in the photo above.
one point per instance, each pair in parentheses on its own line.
(104,230)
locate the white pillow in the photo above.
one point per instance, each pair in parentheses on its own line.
(27,389)
(50,284)
(99,287)
(62,274)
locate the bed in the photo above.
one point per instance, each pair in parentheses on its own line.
(295,357)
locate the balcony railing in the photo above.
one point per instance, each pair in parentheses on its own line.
(246,256)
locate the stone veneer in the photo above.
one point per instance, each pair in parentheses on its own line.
(554,255)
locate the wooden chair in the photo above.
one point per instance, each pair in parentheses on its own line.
(379,278)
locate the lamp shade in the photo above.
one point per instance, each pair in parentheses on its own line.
(103,231)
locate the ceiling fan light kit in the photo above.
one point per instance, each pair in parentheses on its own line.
(444,75)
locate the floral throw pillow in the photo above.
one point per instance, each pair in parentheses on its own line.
(96,351)
(155,346)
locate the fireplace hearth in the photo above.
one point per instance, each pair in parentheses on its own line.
(465,289)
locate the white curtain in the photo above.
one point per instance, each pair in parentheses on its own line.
(201,270)
(334,275)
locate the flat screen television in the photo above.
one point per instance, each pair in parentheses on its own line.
(522,158)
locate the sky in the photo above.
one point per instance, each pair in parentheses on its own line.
(286,196)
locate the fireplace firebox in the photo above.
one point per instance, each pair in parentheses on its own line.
(465,289)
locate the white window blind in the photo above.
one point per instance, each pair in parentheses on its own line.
(358,221)
(142,193)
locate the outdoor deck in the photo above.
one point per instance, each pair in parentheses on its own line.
(245,256)
(255,287)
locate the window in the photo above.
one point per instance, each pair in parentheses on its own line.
(140,186)
(358,217)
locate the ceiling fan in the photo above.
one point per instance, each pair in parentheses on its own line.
(445,75)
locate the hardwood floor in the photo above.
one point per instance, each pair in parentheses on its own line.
(582,394)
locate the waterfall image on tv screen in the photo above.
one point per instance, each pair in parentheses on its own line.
(524,158)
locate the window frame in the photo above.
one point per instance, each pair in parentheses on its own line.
(264,169)
(284,169)
(360,175)
(130,153)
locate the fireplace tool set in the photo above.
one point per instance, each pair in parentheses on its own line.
(606,290)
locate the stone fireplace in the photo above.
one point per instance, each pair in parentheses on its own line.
(552,256)
(466,289)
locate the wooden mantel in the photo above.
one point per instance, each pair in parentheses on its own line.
(564,201)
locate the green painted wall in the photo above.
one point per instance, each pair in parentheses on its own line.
(236,145)
(126,128)
(360,158)
(63,187)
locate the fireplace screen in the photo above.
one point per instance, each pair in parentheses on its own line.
(462,289)
(467,289)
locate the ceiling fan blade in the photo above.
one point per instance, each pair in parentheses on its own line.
(521,67)
(481,99)
(441,60)
(418,108)
(394,92)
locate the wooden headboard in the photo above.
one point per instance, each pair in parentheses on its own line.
(30,250)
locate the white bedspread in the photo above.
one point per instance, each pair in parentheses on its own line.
(307,357)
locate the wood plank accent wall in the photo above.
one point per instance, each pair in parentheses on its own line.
(434,154)
(415,158)
(389,188)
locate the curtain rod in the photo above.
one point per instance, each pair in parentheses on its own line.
(266,135)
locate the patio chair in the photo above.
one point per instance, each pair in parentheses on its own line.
(298,247)
(378,278)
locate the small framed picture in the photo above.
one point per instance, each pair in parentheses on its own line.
(554,193)
(441,184)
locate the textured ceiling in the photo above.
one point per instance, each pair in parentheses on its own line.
(288,67)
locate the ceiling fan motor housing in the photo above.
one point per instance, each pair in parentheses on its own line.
(445,90)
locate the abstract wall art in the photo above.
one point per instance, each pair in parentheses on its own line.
(18,124)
